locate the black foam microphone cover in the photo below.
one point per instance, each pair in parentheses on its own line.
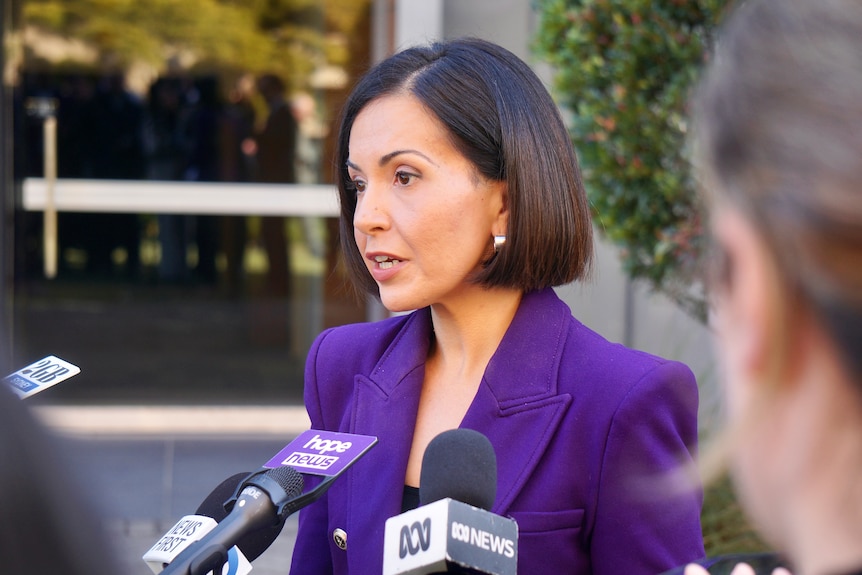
(459,464)
(254,543)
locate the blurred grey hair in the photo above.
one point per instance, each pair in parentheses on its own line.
(778,133)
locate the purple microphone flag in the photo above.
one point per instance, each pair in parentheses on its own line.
(322,452)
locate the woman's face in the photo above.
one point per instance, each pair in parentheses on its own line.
(424,216)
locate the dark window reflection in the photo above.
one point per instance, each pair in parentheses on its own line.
(173,307)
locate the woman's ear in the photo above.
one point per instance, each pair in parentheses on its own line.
(500,192)
(753,300)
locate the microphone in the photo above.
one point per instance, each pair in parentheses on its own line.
(209,513)
(253,544)
(452,531)
(40,375)
(459,464)
(326,454)
(263,499)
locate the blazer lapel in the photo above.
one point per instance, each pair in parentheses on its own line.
(518,407)
(386,405)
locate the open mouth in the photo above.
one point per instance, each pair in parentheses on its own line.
(385,262)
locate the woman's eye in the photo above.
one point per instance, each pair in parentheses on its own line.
(357,185)
(404,178)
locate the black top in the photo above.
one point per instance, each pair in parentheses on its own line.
(410,499)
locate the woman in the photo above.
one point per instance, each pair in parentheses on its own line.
(779,134)
(461,198)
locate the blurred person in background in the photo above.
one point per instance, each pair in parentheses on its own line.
(235,129)
(274,151)
(276,159)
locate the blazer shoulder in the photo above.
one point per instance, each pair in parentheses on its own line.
(613,366)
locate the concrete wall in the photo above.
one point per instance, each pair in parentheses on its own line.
(509,23)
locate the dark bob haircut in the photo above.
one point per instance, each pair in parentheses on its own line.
(502,119)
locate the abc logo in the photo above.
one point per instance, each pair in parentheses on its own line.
(415,538)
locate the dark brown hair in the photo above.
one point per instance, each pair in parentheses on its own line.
(502,119)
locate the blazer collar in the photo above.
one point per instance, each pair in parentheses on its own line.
(516,407)
(526,363)
(529,351)
(406,354)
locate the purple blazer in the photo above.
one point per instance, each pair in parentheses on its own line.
(584,430)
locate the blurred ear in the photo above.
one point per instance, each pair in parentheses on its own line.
(753,300)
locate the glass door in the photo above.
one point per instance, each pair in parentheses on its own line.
(174,230)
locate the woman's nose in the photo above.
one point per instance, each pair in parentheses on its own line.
(371,213)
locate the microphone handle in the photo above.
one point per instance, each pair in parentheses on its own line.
(210,552)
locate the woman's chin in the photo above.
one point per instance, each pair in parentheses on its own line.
(395,304)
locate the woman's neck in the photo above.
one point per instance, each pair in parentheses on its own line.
(826,521)
(824,512)
(467,336)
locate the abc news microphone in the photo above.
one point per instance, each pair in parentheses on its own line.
(452,531)
(248,511)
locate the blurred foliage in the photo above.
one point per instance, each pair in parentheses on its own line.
(625,69)
(288,37)
(726,530)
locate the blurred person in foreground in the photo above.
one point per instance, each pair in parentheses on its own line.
(47,524)
(778,135)
(462,206)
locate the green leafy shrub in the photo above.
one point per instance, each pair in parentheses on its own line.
(625,69)
(726,530)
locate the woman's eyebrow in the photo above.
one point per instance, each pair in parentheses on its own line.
(385,159)
(388,157)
